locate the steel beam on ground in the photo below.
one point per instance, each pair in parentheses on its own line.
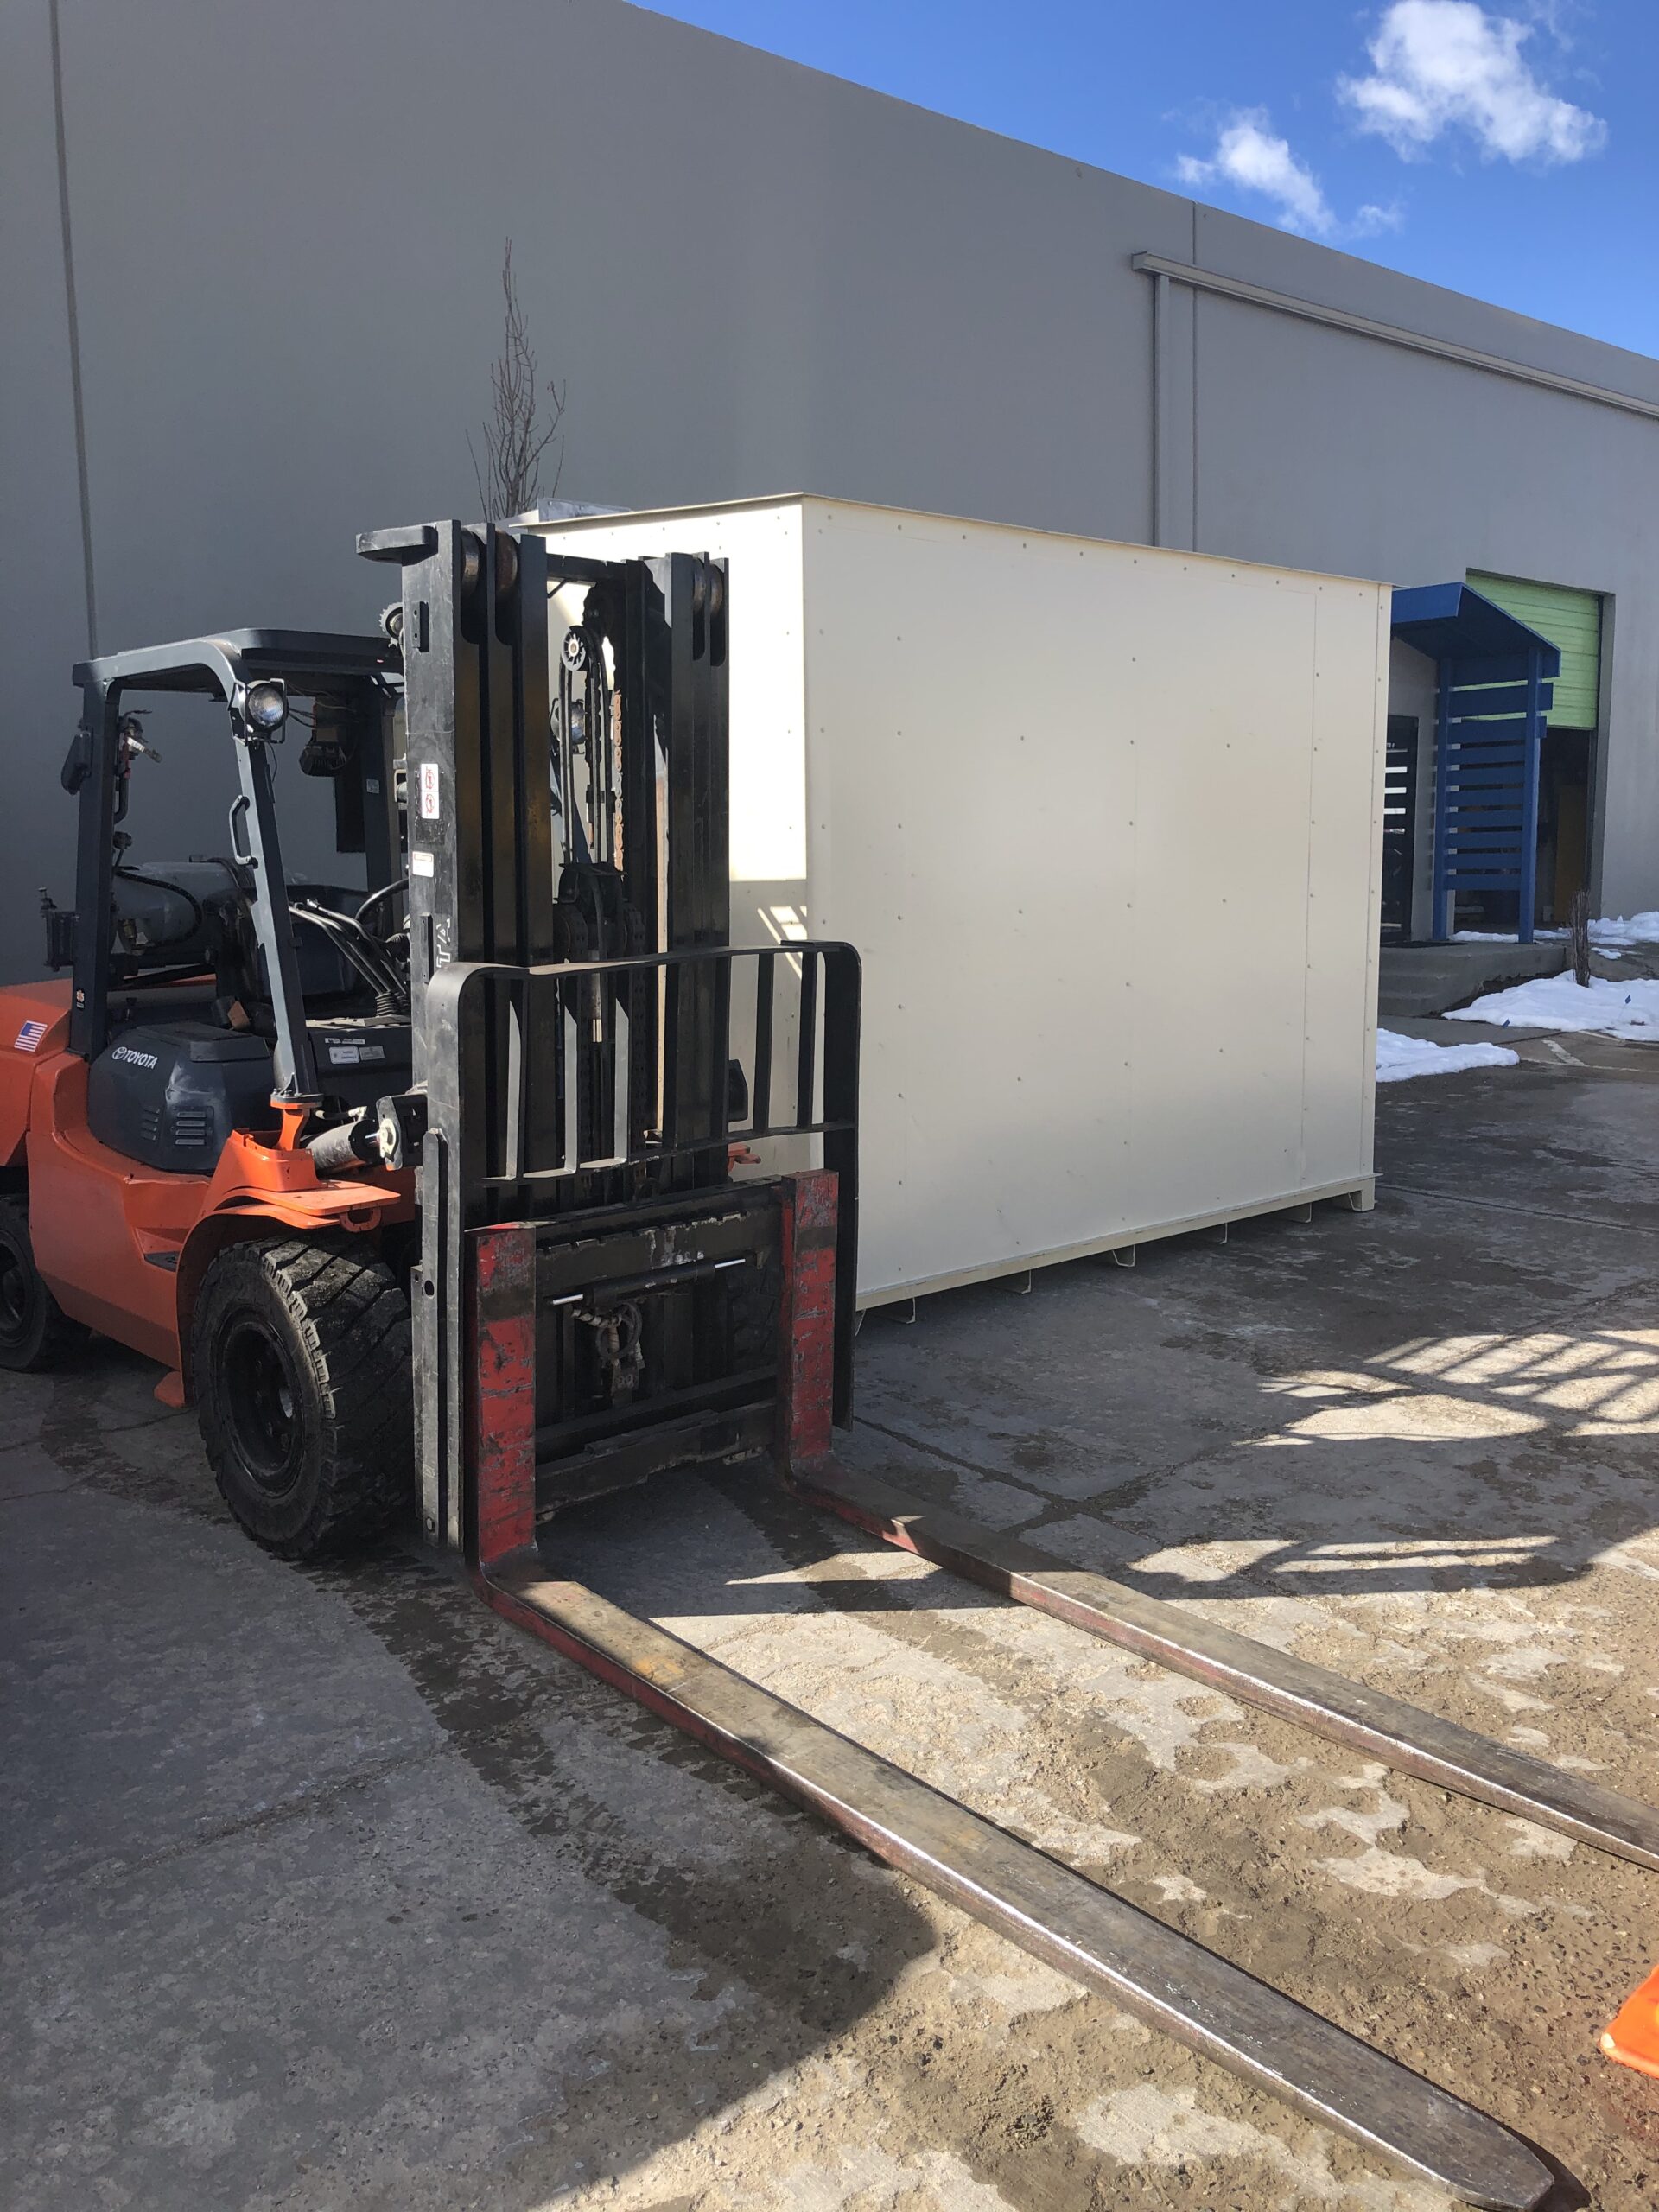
(1085,1931)
(1402,1736)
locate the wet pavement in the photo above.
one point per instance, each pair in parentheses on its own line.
(327,1889)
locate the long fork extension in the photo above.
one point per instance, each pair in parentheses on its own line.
(1099,1938)
(1400,1735)
(1085,1930)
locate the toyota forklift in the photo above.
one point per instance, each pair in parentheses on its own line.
(501,1180)
(265,1107)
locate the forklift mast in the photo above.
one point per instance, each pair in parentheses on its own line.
(589,1048)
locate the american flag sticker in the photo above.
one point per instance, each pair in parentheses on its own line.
(28,1037)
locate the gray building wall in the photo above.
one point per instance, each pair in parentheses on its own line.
(287,226)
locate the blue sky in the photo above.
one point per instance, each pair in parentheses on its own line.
(1507,149)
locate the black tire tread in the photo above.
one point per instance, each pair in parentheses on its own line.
(59,1334)
(352,1320)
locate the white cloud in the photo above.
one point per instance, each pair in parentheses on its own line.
(1370,220)
(1249,156)
(1447,65)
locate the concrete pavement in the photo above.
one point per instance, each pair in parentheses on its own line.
(325,1889)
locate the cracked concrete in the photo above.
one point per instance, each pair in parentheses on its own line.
(327,1889)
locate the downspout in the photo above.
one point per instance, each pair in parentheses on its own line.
(1161,409)
(72,315)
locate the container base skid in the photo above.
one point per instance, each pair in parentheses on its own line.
(1059,1915)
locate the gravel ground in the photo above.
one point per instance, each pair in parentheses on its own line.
(326,1889)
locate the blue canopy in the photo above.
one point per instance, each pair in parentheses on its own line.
(1451,622)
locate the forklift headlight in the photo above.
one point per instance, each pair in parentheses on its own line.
(265,706)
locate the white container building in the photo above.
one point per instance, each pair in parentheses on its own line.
(1104,822)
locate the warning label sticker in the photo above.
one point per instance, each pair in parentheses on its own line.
(428,790)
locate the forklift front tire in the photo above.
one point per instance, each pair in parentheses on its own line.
(34,1328)
(300,1367)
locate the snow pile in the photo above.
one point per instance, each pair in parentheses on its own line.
(1611,936)
(1607,945)
(1623,1010)
(1621,935)
(1398,1057)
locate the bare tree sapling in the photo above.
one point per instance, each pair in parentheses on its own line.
(1578,927)
(518,433)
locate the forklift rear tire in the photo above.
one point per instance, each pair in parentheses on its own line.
(34,1328)
(300,1367)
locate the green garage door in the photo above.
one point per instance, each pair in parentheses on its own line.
(1571,619)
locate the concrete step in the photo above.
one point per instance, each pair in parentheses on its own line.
(1424,979)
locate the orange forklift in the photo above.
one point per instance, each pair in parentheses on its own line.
(254,1121)
(476,1190)
(162,1116)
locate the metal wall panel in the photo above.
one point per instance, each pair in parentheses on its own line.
(830,328)
(1104,822)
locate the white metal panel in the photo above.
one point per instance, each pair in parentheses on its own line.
(1344,901)
(1220,695)
(1101,821)
(1063,801)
